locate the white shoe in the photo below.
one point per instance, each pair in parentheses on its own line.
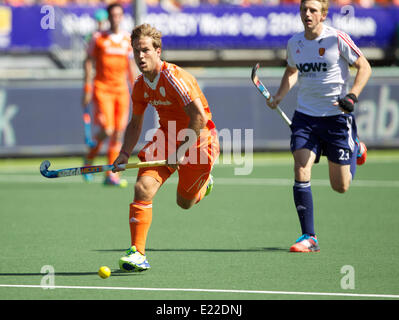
(133,261)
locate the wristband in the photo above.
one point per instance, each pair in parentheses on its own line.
(347,103)
(88,87)
(125,153)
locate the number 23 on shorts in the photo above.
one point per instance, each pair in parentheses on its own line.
(343,154)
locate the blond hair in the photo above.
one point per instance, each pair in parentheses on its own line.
(324,5)
(146,30)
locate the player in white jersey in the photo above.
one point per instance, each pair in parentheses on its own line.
(323,123)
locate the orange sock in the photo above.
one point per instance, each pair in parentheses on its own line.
(140,218)
(112,154)
(201,193)
(113,151)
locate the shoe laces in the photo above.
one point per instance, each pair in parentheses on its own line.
(132,250)
(306,237)
(360,147)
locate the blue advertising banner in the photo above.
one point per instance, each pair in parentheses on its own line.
(203,27)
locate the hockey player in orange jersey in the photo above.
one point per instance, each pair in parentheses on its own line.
(186,137)
(111,54)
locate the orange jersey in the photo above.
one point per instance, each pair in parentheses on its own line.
(111,53)
(172,89)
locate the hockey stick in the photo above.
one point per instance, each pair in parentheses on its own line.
(262,89)
(93,169)
(87,125)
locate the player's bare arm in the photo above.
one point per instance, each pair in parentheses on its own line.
(362,75)
(198,121)
(132,135)
(88,74)
(288,80)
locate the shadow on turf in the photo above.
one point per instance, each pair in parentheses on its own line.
(270,249)
(116,272)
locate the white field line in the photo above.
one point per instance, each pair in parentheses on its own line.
(239,162)
(331,294)
(233,181)
(227,161)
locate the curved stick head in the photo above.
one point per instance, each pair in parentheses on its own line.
(44,169)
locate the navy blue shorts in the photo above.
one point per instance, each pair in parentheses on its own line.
(332,136)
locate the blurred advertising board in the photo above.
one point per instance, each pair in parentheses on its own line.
(40,117)
(202,27)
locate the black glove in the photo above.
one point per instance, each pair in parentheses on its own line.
(347,103)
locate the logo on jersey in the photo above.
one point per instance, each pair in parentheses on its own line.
(300,46)
(116,51)
(162,91)
(160,103)
(312,67)
(322,51)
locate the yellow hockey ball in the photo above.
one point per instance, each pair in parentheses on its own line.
(123,183)
(104,272)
